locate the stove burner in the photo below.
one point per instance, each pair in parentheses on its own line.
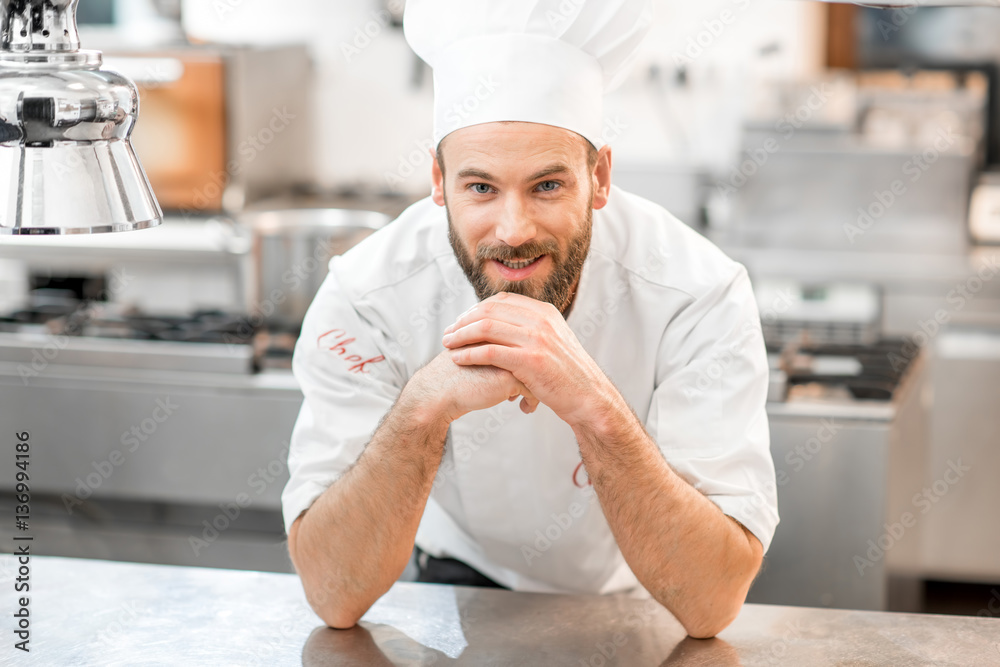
(58,313)
(880,366)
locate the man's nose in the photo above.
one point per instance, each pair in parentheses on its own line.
(515,226)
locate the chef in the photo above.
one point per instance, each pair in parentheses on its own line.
(539,380)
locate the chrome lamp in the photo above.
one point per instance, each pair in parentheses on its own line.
(66,163)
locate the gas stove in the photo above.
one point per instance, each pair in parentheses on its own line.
(57,327)
(842,371)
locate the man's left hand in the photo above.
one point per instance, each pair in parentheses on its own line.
(531,339)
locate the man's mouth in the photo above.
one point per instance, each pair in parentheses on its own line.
(520,264)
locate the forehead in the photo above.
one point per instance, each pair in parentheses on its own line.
(512,145)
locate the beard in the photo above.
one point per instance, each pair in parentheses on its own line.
(557,289)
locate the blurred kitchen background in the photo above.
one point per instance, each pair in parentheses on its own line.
(848,156)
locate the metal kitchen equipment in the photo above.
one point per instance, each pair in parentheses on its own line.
(895,179)
(849,441)
(224,126)
(66,161)
(291,251)
(825,312)
(175,329)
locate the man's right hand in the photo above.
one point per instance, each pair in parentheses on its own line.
(455,390)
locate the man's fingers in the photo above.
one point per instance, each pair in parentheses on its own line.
(539,307)
(505,311)
(500,356)
(528,401)
(487,331)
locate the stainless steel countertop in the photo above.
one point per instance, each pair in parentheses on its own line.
(109,614)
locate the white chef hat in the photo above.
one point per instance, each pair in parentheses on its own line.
(538,61)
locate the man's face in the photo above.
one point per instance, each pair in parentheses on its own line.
(520,198)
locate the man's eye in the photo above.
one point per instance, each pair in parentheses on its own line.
(481,188)
(548,186)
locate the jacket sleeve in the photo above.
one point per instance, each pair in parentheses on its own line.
(349,382)
(708,409)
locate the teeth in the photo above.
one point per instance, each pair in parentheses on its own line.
(517,265)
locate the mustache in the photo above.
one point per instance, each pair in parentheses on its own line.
(507,253)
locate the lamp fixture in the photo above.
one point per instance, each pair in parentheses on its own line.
(66,163)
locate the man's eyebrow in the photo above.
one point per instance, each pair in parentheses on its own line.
(548,171)
(475,173)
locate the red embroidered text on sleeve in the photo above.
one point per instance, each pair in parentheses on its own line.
(341,341)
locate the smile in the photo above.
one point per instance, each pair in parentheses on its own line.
(520,264)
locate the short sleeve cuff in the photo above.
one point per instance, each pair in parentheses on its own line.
(296,501)
(755,512)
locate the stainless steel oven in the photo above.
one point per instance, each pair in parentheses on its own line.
(849,441)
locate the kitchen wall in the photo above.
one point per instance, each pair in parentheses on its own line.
(375,101)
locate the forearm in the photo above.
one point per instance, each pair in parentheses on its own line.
(355,540)
(695,560)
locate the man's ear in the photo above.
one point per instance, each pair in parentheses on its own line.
(602,177)
(437,179)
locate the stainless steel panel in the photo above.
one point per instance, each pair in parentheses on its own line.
(962,540)
(168,437)
(831,503)
(846,474)
(156,615)
(271,137)
(810,199)
(31,354)
(291,253)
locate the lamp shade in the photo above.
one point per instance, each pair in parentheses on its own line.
(66,163)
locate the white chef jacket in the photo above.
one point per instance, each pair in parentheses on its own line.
(670,319)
